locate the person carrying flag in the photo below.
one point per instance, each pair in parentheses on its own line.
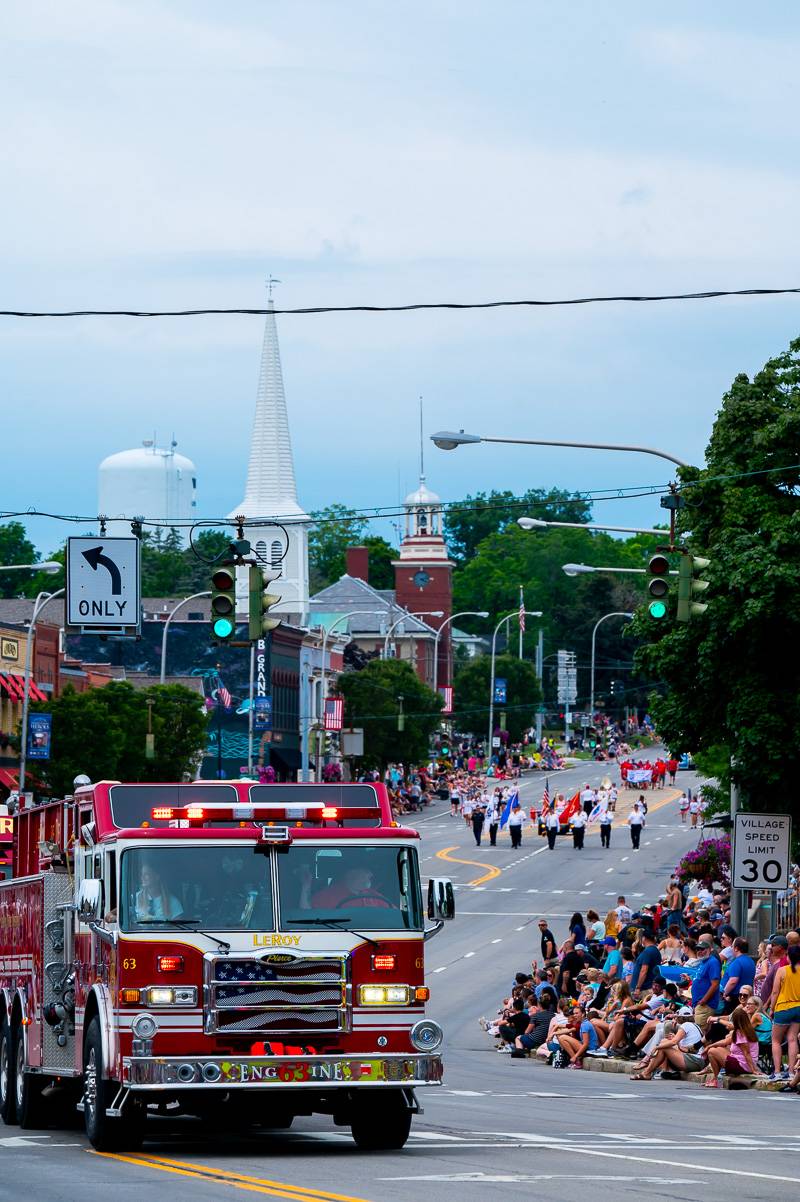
(513,816)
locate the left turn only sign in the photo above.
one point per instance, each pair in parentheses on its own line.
(103,594)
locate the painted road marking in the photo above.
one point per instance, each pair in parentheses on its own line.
(201,1172)
(500,1178)
(488,875)
(497,941)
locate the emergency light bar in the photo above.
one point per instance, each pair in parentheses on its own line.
(313,812)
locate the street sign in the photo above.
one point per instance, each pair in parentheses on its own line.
(567,678)
(761,851)
(103,595)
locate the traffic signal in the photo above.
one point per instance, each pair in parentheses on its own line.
(261,601)
(688,584)
(223,603)
(658,586)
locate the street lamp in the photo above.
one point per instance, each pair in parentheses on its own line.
(466,613)
(353,613)
(578,569)
(537,524)
(42,599)
(615,614)
(422,613)
(448,440)
(529,613)
(185,600)
(49,566)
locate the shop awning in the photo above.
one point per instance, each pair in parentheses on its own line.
(14,686)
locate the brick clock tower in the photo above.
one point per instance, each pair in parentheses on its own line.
(423,575)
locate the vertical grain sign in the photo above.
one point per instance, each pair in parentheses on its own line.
(761,851)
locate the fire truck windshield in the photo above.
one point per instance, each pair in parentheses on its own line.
(224,888)
(373,887)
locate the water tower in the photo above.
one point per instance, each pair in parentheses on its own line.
(148,481)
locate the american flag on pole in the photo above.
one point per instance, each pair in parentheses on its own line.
(446,694)
(546,797)
(334,713)
(521,611)
(224,696)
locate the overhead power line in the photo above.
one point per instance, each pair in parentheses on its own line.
(709,294)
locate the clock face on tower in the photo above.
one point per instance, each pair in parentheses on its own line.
(421,578)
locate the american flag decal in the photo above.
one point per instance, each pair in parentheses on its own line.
(334,713)
(224,696)
(446,694)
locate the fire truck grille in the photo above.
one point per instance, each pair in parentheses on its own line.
(277,994)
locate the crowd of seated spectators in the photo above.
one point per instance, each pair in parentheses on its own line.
(671,988)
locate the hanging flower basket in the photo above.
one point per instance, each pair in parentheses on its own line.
(710,861)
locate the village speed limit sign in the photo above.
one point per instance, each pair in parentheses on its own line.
(761,851)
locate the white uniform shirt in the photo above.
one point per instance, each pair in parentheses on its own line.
(579,819)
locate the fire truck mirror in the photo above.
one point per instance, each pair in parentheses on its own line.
(441,898)
(89,902)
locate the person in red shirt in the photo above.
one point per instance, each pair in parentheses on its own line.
(672,769)
(353,889)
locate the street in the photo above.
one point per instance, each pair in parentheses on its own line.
(497,1123)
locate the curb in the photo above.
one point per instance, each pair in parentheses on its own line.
(612,1065)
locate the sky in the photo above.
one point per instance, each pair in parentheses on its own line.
(173,153)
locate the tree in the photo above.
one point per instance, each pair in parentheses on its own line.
(471,695)
(102,733)
(336,528)
(467,523)
(16,547)
(381,556)
(731,673)
(570,605)
(372,702)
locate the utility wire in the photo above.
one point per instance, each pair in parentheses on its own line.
(709,294)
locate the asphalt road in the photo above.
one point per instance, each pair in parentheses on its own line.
(515,1128)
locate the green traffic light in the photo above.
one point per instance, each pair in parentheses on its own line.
(223,628)
(657,609)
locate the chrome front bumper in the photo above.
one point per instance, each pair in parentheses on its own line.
(270,1072)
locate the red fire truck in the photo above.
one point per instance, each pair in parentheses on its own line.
(239,952)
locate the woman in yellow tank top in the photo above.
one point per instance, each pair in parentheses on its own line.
(785,1006)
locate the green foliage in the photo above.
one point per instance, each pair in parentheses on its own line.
(733,683)
(170,569)
(475,518)
(102,733)
(16,547)
(381,555)
(471,695)
(371,702)
(337,528)
(570,605)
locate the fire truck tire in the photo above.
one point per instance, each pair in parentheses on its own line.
(32,1109)
(8,1095)
(106,1134)
(381,1124)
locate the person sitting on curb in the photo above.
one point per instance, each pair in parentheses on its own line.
(737,1053)
(680,1051)
(583,1040)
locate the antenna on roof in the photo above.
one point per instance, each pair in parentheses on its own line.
(421,445)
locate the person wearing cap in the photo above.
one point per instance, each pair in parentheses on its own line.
(572,963)
(678,1052)
(612,965)
(705,985)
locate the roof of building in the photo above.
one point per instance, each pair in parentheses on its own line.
(422,495)
(348,593)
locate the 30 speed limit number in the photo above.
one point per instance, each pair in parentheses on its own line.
(761,851)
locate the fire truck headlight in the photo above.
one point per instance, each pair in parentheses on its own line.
(144,1026)
(171,995)
(426,1036)
(384,995)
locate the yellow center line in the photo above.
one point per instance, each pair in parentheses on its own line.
(488,875)
(257,1185)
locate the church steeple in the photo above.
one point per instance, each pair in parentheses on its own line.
(271,490)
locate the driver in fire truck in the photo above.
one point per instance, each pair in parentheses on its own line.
(354,886)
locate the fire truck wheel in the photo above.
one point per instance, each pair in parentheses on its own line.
(381,1124)
(8,1099)
(106,1133)
(32,1109)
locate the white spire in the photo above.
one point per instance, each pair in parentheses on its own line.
(271,490)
